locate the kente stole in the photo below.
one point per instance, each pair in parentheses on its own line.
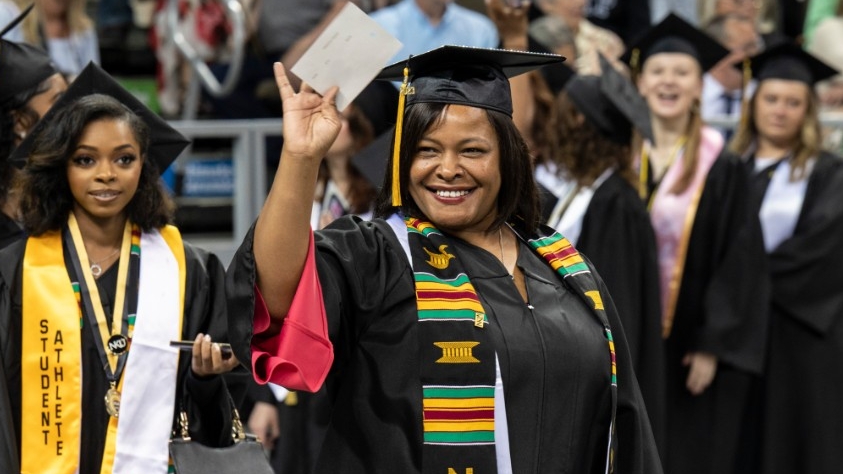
(51,362)
(458,357)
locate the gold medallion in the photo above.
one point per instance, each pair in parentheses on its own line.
(112,402)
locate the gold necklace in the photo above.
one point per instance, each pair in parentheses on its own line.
(96,269)
(500,242)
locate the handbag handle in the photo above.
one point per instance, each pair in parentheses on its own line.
(238,434)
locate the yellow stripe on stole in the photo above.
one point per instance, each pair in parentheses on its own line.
(557,246)
(434,286)
(51,361)
(172,236)
(486,402)
(430,304)
(459,426)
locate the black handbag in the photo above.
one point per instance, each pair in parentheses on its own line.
(246,455)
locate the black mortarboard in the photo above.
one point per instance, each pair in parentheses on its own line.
(22,66)
(165,142)
(674,35)
(371,161)
(476,77)
(611,104)
(790,62)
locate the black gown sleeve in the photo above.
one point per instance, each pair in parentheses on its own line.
(207,398)
(636,447)
(811,261)
(725,269)
(618,239)
(10,264)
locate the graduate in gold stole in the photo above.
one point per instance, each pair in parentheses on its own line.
(90,301)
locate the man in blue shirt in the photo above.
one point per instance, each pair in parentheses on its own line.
(422,25)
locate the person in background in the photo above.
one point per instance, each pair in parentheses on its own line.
(556,36)
(627,19)
(341,189)
(441,274)
(91,299)
(723,85)
(31,85)
(797,192)
(9,12)
(422,25)
(590,39)
(599,211)
(711,260)
(66,32)
(824,46)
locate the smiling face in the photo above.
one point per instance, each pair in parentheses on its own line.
(780,109)
(455,174)
(104,169)
(671,83)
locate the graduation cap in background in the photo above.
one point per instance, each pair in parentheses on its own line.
(22,66)
(789,61)
(165,142)
(372,159)
(476,77)
(611,104)
(674,35)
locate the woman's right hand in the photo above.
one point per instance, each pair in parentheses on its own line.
(311,122)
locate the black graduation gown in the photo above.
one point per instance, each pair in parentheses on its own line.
(205,399)
(10,231)
(803,384)
(553,359)
(719,310)
(618,239)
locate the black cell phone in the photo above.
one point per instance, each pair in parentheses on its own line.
(225,347)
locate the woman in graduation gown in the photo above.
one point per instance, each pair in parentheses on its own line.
(31,85)
(91,299)
(599,212)
(798,189)
(710,255)
(447,343)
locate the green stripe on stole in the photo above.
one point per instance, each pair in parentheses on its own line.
(458,424)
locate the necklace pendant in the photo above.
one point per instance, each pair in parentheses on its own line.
(96,270)
(112,402)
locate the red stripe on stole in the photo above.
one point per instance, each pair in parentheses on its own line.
(445,295)
(561,254)
(445,415)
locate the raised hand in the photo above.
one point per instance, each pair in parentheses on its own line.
(311,121)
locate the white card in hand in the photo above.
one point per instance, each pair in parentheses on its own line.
(349,53)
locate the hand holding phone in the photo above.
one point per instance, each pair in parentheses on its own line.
(225,348)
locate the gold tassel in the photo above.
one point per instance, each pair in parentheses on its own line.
(396,147)
(634,66)
(747,76)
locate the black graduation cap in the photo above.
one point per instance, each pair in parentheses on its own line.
(611,103)
(790,62)
(22,66)
(165,142)
(476,77)
(465,75)
(675,35)
(371,161)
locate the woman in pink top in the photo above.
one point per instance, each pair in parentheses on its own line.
(709,254)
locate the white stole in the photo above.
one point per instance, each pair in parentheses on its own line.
(150,377)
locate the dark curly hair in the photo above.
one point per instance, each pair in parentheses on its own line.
(582,152)
(46,199)
(15,108)
(518,196)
